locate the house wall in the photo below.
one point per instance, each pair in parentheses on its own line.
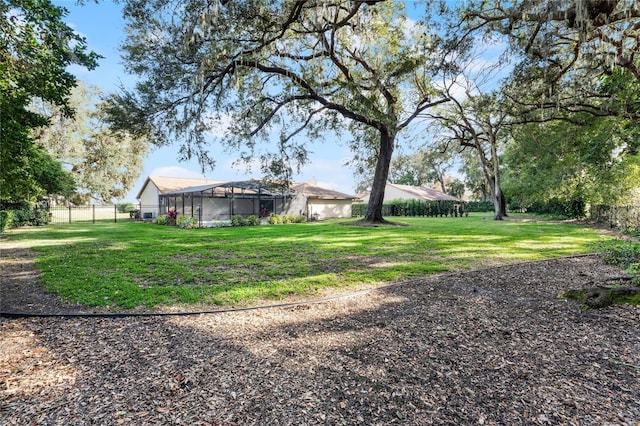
(296,205)
(326,209)
(149,200)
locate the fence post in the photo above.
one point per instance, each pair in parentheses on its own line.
(93,206)
(115,213)
(69,213)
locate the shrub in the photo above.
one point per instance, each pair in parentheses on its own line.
(274,219)
(40,217)
(6,219)
(187,222)
(162,219)
(125,207)
(237,220)
(479,206)
(563,209)
(289,218)
(358,209)
(620,253)
(302,218)
(253,220)
(21,217)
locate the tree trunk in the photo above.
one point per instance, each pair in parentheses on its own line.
(499,204)
(441,180)
(498,212)
(495,199)
(376,199)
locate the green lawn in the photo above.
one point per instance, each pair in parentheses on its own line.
(131,264)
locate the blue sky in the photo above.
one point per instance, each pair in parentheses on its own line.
(103,27)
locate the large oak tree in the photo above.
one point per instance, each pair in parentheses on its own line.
(564,48)
(105,163)
(279,69)
(36,47)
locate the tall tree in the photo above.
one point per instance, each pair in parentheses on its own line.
(569,165)
(406,170)
(455,187)
(36,49)
(105,163)
(281,68)
(477,118)
(478,122)
(428,165)
(474,178)
(27,171)
(565,48)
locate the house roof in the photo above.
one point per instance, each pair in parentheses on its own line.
(175,186)
(312,191)
(171,184)
(423,193)
(251,186)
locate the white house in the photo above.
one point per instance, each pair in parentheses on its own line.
(211,200)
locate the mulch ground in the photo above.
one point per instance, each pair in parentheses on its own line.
(489,347)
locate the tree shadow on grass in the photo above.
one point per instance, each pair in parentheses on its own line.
(493,347)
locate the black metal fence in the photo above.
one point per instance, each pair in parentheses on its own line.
(93,213)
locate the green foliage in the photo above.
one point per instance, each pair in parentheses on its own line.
(28,173)
(22,217)
(37,49)
(6,219)
(474,179)
(253,220)
(274,219)
(560,209)
(186,222)
(414,208)
(597,298)
(125,207)
(479,206)
(423,167)
(290,218)
(455,187)
(131,263)
(40,217)
(634,268)
(620,253)
(106,163)
(559,168)
(358,209)
(163,219)
(379,89)
(237,220)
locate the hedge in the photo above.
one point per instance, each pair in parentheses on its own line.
(16,218)
(415,208)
